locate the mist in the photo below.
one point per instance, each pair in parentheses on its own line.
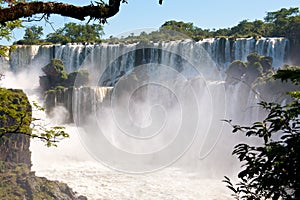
(152,127)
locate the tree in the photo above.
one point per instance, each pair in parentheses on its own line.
(15,118)
(244,28)
(281,20)
(73,32)
(32,35)
(5,33)
(182,27)
(283,13)
(271,170)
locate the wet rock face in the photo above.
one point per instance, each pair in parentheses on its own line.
(55,75)
(236,71)
(14,108)
(15,149)
(17,181)
(293,54)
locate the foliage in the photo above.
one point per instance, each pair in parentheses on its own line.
(271,170)
(285,23)
(32,36)
(236,71)
(6,33)
(182,27)
(290,73)
(73,32)
(7,28)
(15,118)
(56,76)
(78,78)
(282,19)
(256,67)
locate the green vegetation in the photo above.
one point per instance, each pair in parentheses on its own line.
(282,23)
(15,118)
(255,68)
(257,75)
(70,33)
(271,170)
(285,22)
(58,86)
(73,32)
(18,183)
(32,36)
(6,33)
(78,78)
(15,112)
(56,76)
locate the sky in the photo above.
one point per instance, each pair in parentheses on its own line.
(143,14)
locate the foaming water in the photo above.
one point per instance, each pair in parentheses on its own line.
(222,51)
(70,163)
(197,174)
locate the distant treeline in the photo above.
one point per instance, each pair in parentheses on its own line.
(282,23)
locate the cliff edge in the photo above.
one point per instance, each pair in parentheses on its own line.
(17,181)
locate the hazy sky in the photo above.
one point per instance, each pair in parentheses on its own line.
(140,14)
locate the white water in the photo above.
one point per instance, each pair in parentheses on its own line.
(71,164)
(221,51)
(190,177)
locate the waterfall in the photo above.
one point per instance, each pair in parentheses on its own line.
(79,102)
(149,107)
(222,51)
(26,56)
(4,64)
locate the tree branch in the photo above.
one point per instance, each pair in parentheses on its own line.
(23,10)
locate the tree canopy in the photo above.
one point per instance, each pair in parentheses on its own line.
(33,34)
(281,23)
(73,32)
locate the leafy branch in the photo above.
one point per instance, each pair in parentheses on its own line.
(15,118)
(271,170)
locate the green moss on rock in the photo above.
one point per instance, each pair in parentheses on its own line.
(56,76)
(253,57)
(18,182)
(78,78)
(15,116)
(235,71)
(16,179)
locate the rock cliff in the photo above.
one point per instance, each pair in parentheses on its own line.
(17,181)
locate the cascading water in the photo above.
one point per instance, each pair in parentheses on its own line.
(222,51)
(175,89)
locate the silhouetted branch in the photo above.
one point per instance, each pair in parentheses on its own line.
(28,9)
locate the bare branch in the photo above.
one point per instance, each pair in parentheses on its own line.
(1,76)
(34,19)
